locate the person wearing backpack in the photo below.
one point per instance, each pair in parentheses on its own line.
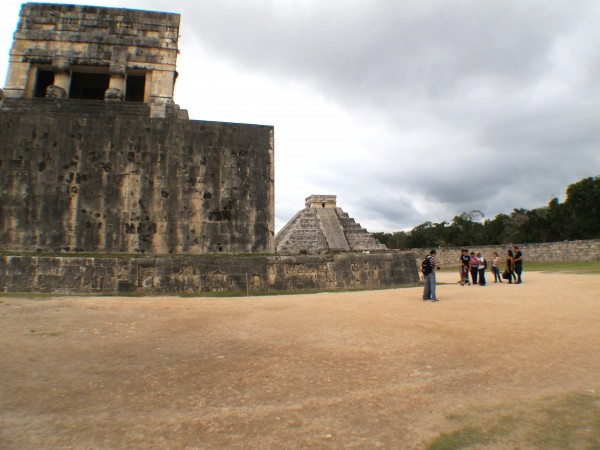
(428,267)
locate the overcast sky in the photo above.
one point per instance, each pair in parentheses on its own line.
(407,111)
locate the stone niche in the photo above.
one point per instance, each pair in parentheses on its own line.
(86,52)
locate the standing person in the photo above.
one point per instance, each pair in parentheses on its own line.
(496,267)
(518,263)
(474,264)
(509,265)
(465,265)
(429,266)
(481,266)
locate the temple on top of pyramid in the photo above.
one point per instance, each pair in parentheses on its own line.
(322,227)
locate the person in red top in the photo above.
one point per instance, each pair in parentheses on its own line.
(474,268)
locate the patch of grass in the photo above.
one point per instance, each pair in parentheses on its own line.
(570,421)
(570,267)
(463,438)
(210,294)
(48,334)
(290,292)
(564,266)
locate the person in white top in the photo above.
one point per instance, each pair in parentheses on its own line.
(481,269)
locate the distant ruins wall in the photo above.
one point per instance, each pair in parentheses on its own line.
(104,177)
(588,250)
(196,274)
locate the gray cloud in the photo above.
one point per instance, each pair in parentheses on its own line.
(454,106)
(486,105)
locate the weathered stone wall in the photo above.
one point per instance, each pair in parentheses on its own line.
(194,274)
(549,252)
(91,176)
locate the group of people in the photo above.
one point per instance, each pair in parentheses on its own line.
(472,270)
(475,265)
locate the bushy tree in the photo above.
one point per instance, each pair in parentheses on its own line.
(577,218)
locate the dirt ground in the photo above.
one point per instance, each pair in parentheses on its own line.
(501,366)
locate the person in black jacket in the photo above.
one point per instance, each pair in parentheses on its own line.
(429,267)
(518,263)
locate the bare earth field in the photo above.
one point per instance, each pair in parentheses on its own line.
(499,366)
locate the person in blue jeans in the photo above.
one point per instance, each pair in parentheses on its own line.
(429,268)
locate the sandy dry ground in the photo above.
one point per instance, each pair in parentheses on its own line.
(350,370)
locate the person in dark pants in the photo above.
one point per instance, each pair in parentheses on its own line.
(429,276)
(518,263)
(481,269)
(465,266)
(510,265)
(496,268)
(474,268)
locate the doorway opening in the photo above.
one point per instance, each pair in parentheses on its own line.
(43,79)
(135,87)
(89,86)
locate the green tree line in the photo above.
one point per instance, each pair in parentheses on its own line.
(578,217)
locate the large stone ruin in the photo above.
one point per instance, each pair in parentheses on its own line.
(106,186)
(112,165)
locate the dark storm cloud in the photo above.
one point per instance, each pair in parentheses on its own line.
(373,50)
(446,106)
(486,105)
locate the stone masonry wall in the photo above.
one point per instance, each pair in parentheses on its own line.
(548,252)
(196,274)
(87,176)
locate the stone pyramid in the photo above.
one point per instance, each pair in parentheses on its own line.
(322,227)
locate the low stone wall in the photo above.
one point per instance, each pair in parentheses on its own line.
(549,252)
(195,274)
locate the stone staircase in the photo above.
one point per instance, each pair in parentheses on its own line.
(334,233)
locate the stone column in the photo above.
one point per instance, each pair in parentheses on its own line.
(118,73)
(116,85)
(62,78)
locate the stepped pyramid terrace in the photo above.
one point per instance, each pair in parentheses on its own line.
(323,227)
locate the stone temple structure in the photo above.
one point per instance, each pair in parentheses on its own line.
(106,186)
(96,157)
(82,52)
(322,227)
